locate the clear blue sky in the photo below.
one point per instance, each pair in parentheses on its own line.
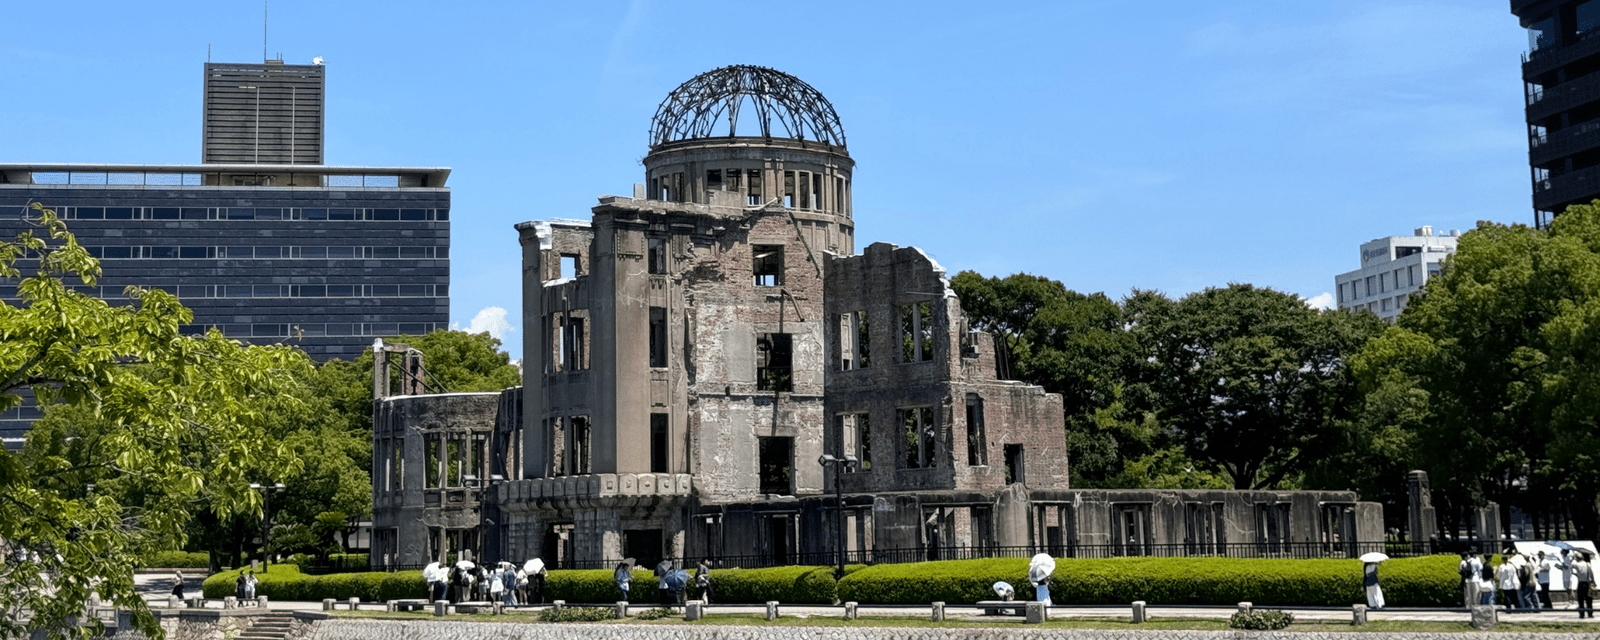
(1169,145)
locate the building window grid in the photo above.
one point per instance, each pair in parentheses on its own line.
(336,291)
(292,252)
(333,214)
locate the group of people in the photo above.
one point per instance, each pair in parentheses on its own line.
(1524,582)
(504,582)
(244,587)
(671,582)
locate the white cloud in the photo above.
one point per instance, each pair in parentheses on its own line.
(491,319)
(1322,300)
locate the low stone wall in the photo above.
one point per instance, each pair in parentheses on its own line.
(336,629)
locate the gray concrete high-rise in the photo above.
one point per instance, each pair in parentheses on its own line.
(1562,94)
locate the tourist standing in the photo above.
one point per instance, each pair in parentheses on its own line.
(623,575)
(702,580)
(250,584)
(1486,586)
(1527,584)
(177,588)
(1546,564)
(1506,575)
(1583,572)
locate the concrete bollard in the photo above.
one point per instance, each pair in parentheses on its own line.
(197,603)
(622,609)
(1245,607)
(850,611)
(1139,613)
(1358,615)
(173,602)
(230,602)
(1484,617)
(499,608)
(937,614)
(693,610)
(355,603)
(772,609)
(327,604)
(1037,612)
(391,606)
(441,607)
(558,604)
(261,601)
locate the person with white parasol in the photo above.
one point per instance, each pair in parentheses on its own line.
(536,573)
(1369,578)
(1039,570)
(434,575)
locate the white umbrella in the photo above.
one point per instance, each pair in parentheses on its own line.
(1373,557)
(465,564)
(1004,590)
(1040,567)
(533,566)
(430,573)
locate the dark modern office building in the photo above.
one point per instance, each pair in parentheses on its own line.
(1563,101)
(325,258)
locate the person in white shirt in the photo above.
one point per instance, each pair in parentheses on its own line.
(1584,573)
(1506,576)
(1545,564)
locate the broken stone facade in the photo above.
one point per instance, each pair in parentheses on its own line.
(694,350)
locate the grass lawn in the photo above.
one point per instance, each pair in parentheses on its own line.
(1201,624)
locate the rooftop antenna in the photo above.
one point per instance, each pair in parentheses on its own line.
(208,53)
(264,30)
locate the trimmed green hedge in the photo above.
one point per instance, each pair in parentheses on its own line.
(285,582)
(800,585)
(178,560)
(1413,582)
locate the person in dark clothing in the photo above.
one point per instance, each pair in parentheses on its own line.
(702,580)
(1584,573)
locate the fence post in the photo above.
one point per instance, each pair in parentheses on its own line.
(1358,615)
(772,609)
(937,612)
(1037,612)
(850,611)
(1139,615)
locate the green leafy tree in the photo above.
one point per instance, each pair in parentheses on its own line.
(156,396)
(1500,353)
(1251,380)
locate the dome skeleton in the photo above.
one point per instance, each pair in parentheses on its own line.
(694,109)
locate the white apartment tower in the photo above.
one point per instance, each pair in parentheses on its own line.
(1392,269)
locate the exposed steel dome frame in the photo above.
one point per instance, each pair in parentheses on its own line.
(695,108)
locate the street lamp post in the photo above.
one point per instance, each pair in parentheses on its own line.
(266,520)
(840,467)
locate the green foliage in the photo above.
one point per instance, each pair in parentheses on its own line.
(177,560)
(1261,620)
(596,585)
(575,614)
(1252,380)
(1497,358)
(285,582)
(168,422)
(1428,581)
(655,614)
(798,585)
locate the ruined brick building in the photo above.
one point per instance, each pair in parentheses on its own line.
(694,352)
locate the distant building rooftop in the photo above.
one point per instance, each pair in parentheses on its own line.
(220,175)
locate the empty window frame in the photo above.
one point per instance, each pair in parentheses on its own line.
(855,438)
(775,457)
(582,445)
(853,345)
(916,332)
(754,195)
(430,445)
(1411,273)
(573,341)
(659,443)
(977,441)
(767,264)
(918,426)
(714,179)
(570,266)
(788,190)
(1016,470)
(775,362)
(658,337)
(656,255)
(557,433)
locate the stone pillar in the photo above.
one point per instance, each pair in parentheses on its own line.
(441,607)
(1421,524)
(850,611)
(497,607)
(391,606)
(1139,614)
(1358,615)
(622,609)
(355,603)
(1011,517)
(1037,612)
(173,602)
(230,602)
(1483,617)
(558,604)
(772,609)
(937,613)
(1245,607)
(693,611)
(261,601)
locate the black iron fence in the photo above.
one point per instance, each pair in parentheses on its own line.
(1280,550)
